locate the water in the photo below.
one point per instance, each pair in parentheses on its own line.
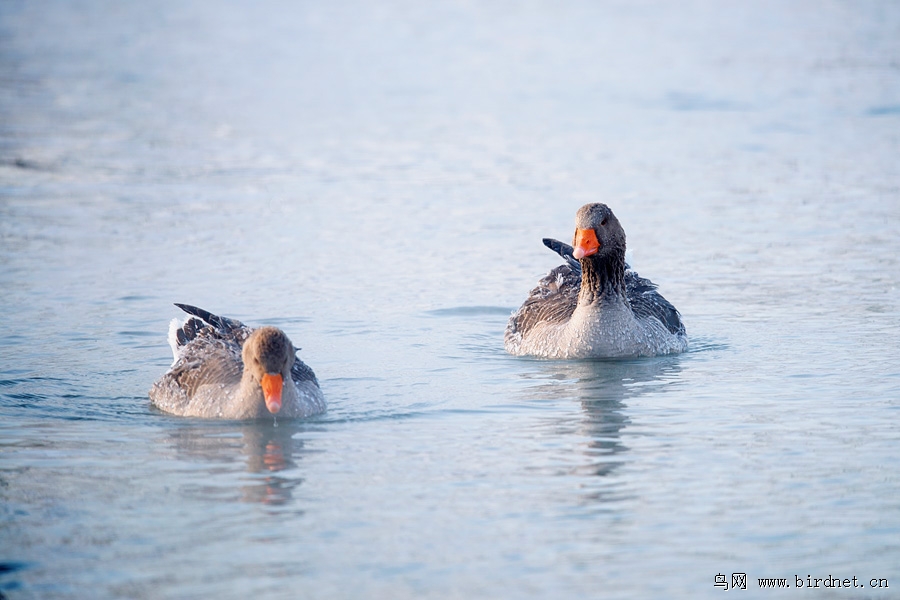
(376,181)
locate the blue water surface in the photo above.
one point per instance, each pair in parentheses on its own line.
(375,179)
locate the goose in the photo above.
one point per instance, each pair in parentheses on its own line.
(594,305)
(224,369)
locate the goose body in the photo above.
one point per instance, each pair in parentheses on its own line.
(594,305)
(224,369)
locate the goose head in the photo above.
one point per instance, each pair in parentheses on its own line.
(598,233)
(268,357)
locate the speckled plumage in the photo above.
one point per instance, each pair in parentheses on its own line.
(595,307)
(208,377)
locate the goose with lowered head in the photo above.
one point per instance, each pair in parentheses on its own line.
(224,369)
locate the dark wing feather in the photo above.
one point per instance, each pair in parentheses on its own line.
(190,330)
(552,301)
(647,302)
(210,351)
(222,326)
(208,360)
(564,250)
(300,372)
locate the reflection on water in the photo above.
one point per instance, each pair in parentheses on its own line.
(266,450)
(602,388)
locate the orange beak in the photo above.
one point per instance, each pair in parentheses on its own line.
(586,243)
(271,386)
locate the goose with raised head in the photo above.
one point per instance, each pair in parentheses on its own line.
(594,305)
(224,369)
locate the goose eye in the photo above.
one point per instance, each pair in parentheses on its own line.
(603,222)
